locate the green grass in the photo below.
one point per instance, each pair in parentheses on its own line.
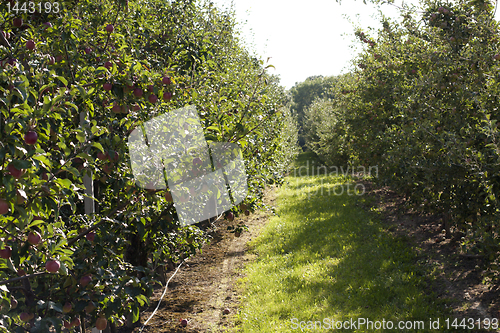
(324,256)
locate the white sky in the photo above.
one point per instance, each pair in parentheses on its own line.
(307,37)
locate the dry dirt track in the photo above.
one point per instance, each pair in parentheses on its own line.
(205,284)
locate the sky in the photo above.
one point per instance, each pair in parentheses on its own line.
(308,37)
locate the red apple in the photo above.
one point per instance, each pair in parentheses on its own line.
(85,280)
(90,236)
(151,88)
(168,196)
(107,86)
(137,107)
(25,316)
(496,56)
(67,324)
(153,98)
(101,323)
(52,60)
(108,64)
(16,173)
(102,156)
(6,252)
(52,266)
(31,137)
(75,322)
(166,80)
(230,216)
(110,28)
(138,92)
(184,322)
(17,22)
(67,307)
(21,272)
(117,108)
(4,207)
(247,212)
(226,311)
(47,25)
(34,238)
(88,50)
(90,307)
(167,96)
(30,45)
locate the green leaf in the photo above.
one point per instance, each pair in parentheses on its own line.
(63,269)
(214,128)
(43,160)
(80,135)
(65,183)
(141,299)
(21,164)
(35,223)
(135,313)
(63,80)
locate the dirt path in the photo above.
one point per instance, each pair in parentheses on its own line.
(205,284)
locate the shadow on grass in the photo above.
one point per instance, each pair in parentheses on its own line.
(325,257)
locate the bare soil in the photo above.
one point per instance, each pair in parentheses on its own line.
(459,278)
(206,284)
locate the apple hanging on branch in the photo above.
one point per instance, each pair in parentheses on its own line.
(85,280)
(67,307)
(15,172)
(31,137)
(17,22)
(101,323)
(34,238)
(53,266)
(30,45)
(4,207)
(6,252)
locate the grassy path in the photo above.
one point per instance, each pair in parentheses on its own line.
(325,259)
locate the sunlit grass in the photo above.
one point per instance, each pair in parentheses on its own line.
(326,257)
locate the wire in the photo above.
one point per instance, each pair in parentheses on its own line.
(166,288)
(161,298)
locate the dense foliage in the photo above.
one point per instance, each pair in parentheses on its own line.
(422,104)
(302,94)
(74,82)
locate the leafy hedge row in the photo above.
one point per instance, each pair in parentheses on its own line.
(422,104)
(73,85)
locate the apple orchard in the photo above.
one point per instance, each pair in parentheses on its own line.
(76,78)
